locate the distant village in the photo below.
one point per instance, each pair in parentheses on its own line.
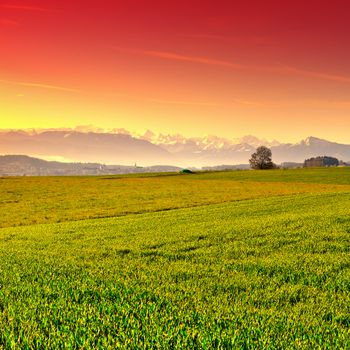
(13,165)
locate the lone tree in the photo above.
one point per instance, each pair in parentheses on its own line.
(261,159)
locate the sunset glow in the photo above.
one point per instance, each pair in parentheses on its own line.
(275,69)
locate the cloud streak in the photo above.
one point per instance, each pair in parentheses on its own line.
(38,85)
(321,75)
(185,58)
(247,39)
(23,8)
(280,69)
(186,103)
(248,102)
(8,22)
(317,103)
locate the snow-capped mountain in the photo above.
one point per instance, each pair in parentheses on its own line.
(311,147)
(177,142)
(120,146)
(256,142)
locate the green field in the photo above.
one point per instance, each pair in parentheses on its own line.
(225,260)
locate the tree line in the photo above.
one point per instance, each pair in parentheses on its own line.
(262,159)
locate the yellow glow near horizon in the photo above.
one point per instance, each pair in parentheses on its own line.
(223,72)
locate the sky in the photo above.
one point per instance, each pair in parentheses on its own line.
(274,69)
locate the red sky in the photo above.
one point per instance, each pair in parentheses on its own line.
(276,69)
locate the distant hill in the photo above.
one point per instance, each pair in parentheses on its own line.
(121,147)
(84,147)
(19,165)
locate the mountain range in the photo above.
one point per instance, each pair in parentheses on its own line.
(118,146)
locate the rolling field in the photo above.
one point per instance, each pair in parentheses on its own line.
(226,260)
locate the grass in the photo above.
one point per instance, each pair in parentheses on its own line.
(263,265)
(33,200)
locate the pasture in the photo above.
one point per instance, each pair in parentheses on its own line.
(222,260)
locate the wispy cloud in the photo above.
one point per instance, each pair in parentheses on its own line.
(319,103)
(279,69)
(291,103)
(187,103)
(162,100)
(38,85)
(235,39)
(8,22)
(309,73)
(185,58)
(23,7)
(248,102)
(209,36)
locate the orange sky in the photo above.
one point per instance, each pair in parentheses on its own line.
(275,69)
